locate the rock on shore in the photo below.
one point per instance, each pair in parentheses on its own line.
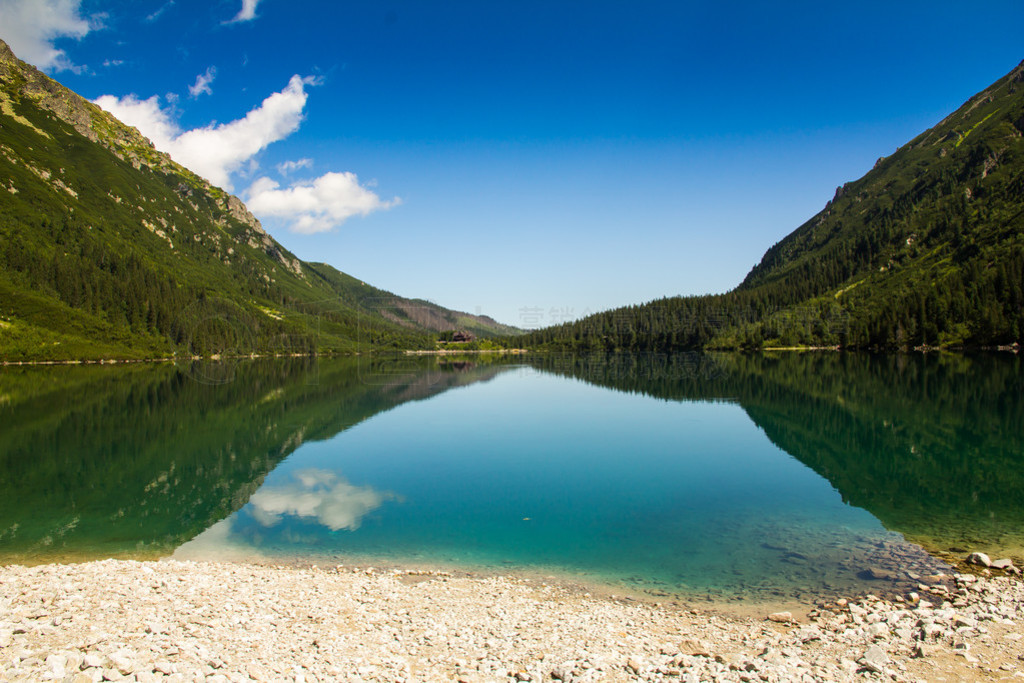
(185,621)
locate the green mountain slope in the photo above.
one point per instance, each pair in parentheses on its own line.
(108,248)
(926,249)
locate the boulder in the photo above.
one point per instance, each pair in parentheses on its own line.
(694,648)
(879,574)
(875,659)
(980,559)
(877,630)
(924,650)
(563,672)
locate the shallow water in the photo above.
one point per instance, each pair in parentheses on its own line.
(734,478)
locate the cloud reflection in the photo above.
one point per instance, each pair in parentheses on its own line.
(320,495)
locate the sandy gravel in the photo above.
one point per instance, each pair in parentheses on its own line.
(187,621)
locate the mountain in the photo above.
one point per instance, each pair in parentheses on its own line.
(927,249)
(108,248)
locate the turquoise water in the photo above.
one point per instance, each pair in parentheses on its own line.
(729,478)
(533,471)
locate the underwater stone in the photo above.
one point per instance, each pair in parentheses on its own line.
(979,559)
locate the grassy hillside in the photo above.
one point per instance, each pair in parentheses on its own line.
(108,248)
(926,249)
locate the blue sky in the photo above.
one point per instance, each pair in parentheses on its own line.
(534,161)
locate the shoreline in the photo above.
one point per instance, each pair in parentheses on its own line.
(1012,348)
(186,359)
(183,621)
(570,583)
(460,352)
(888,580)
(257,356)
(886,583)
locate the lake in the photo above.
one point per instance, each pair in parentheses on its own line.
(731,478)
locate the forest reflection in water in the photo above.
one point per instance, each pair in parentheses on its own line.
(750,475)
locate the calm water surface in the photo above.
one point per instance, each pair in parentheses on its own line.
(730,477)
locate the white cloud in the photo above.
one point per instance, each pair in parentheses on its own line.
(202,84)
(146,115)
(247,13)
(319,495)
(215,151)
(290,166)
(157,14)
(315,205)
(30,27)
(218,151)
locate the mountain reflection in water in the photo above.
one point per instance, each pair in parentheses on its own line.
(280,458)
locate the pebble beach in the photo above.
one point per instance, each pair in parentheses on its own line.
(169,620)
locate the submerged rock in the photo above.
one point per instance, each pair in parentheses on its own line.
(980,559)
(880,574)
